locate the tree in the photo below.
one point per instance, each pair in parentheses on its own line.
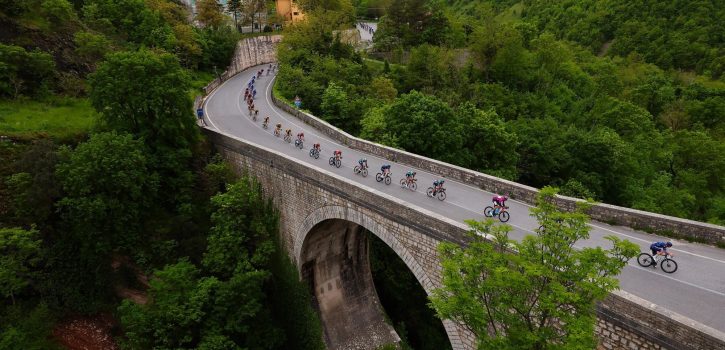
(19,252)
(240,238)
(539,293)
(209,13)
(110,190)
(235,7)
(146,94)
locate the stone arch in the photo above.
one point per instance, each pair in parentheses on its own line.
(381,231)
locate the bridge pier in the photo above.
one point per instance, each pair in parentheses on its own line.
(336,266)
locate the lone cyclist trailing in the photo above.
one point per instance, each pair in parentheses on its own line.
(659,248)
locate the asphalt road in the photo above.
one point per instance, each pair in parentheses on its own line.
(696,290)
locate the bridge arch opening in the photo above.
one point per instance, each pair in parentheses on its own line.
(332,251)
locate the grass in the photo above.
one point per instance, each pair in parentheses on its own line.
(59,118)
(199,79)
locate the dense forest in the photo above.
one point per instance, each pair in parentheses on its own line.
(123,211)
(498,87)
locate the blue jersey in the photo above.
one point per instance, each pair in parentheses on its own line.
(657,246)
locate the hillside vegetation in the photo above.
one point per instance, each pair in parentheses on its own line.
(687,35)
(112,204)
(493,92)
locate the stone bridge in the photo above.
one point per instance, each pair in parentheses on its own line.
(324,217)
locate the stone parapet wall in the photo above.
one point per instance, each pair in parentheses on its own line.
(250,52)
(611,214)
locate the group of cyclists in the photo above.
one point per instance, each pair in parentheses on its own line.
(499,201)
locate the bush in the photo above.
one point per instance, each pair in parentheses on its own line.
(57,11)
(90,45)
(23,72)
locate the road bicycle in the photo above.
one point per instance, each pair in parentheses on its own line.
(298,143)
(314,153)
(360,170)
(379,178)
(288,138)
(666,264)
(411,185)
(335,162)
(439,193)
(265,125)
(501,212)
(277,132)
(256,113)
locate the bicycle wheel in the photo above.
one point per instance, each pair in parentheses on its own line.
(317,154)
(338,163)
(364,172)
(332,160)
(429,192)
(442,195)
(378,177)
(645,260)
(668,265)
(301,145)
(504,216)
(413,186)
(312,153)
(488,212)
(403,183)
(356,169)
(387,180)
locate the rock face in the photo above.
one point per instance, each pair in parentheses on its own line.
(335,264)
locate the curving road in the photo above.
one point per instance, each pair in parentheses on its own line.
(696,290)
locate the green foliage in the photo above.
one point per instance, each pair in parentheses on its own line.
(19,253)
(243,223)
(33,187)
(234,302)
(217,47)
(132,20)
(58,11)
(91,45)
(23,72)
(411,23)
(144,93)
(109,190)
(535,294)
(673,34)
(25,327)
(210,13)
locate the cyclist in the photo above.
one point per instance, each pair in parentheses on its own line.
(301,137)
(363,163)
(337,154)
(437,185)
(409,177)
(266,121)
(316,147)
(278,129)
(256,113)
(499,201)
(288,133)
(385,169)
(254,93)
(659,248)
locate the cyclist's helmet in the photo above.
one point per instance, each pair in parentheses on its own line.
(668,244)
